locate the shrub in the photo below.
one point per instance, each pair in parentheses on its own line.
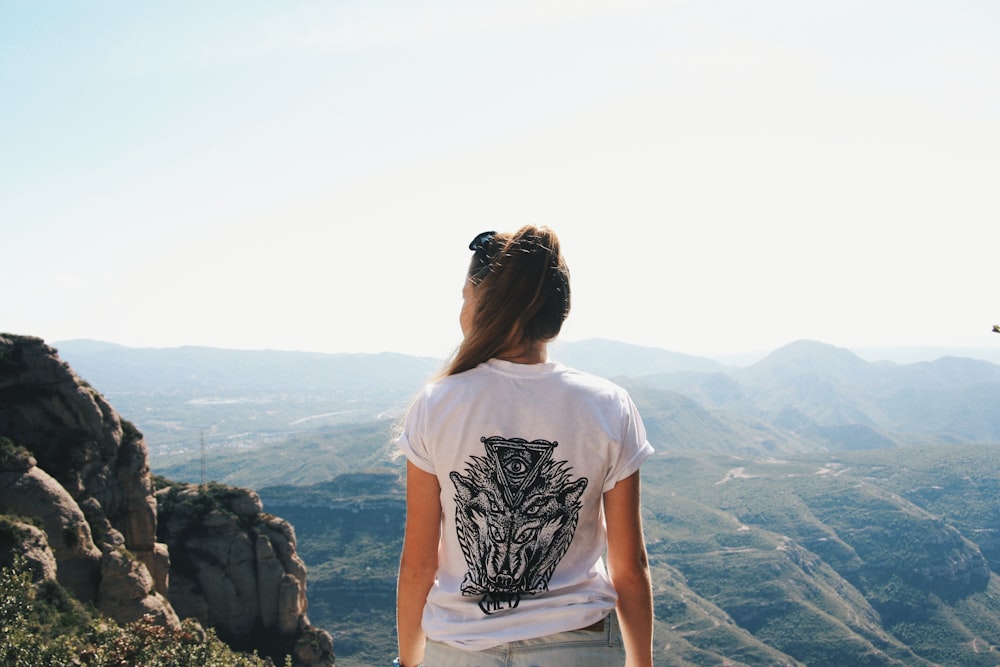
(13,456)
(43,626)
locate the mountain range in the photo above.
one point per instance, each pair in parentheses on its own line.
(810,508)
(196,404)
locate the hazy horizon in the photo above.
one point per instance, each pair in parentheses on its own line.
(895,354)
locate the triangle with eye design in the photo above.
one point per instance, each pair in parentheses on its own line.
(518,463)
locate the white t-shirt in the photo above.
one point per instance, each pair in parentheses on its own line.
(523,454)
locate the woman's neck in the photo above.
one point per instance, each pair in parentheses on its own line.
(536,352)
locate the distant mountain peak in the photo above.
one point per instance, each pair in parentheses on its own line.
(613,358)
(811,354)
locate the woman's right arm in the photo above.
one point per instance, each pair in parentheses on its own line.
(418,563)
(628,567)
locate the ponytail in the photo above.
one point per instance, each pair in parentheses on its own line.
(522,294)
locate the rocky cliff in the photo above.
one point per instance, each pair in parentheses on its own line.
(75,485)
(235,568)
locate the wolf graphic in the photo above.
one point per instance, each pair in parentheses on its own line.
(516,514)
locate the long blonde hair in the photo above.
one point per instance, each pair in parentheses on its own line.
(522,295)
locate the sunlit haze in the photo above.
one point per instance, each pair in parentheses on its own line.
(726,176)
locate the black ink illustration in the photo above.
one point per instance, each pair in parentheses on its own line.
(517,511)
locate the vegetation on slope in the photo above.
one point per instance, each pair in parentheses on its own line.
(41,625)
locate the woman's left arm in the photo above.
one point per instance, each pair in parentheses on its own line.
(419,561)
(628,567)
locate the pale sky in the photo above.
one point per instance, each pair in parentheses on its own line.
(726,176)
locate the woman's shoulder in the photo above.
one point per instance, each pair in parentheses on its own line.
(588,381)
(446,383)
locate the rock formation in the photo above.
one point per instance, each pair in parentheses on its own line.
(85,479)
(235,568)
(19,539)
(77,502)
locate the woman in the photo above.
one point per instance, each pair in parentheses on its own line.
(520,473)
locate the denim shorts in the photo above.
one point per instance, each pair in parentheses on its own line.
(599,645)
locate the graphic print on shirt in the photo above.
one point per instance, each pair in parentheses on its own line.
(516,514)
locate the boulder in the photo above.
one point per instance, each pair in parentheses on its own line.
(126,592)
(25,541)
(157,561)
(34,494)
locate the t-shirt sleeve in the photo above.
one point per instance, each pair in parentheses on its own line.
(411,442)
(633,449)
